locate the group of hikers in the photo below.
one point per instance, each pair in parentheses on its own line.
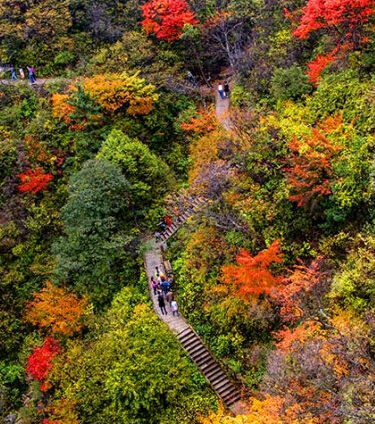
(162,287)
(223,90)
(21,74)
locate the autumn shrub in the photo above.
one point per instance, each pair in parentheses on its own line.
(39,363)
(56,309)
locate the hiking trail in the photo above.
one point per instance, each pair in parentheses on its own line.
(198,352)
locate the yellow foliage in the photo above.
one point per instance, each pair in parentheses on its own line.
(114,91)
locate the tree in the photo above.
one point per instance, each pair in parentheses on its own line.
(298,294)
(310,171)
(166,18)
(34,180)
(116,91)
(251,275)
(228,33)
(148,175)
(124,374)
(39,363)
(33,22)
(57,310)
(318,65)
(345,18)
(91,254)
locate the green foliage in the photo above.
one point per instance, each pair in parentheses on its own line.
(148,175)
(91,255)
(134,372)
(290,84)
(354,285)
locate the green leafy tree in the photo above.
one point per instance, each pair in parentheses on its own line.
(148,175)
(91,254)
(133,373)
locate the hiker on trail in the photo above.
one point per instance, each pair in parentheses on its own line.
(174,307)
(31,71)
(161,225)
(220,89)
(165,286)
(157,236)
(208,81)
(226,89)
(168,220)
(13,75)
(154,285)
(169,296)
(22,73)
(162,304)
(157,272)
(191,78)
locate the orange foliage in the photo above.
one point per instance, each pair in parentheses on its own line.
(218,19)
(56,309)
(202,124)
(36,152)
(251,274)
(114,91)
(287,337)
(301,281)
(310,168)
(61,108)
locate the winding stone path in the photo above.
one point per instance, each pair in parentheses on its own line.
(189,339)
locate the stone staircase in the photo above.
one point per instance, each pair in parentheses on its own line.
(194,204)
(212,371)
(229,394)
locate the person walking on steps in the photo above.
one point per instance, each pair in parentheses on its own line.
(22,73)
(220,89)
(13,75)
(226,89)
(31,71)
(162,304)
(154,285)
(169,297)
(174,307)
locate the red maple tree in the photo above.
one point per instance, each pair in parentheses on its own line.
(166,18)
(39,363)
(346,18)
(34,180)
(251,274)
(310,169)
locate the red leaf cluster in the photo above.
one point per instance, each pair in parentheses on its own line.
(166,18)
(34,180)
(345,16)
(251,274)
(317,66)
(39,362)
